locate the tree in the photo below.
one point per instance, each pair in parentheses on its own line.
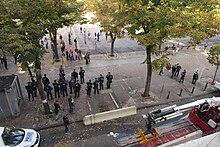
(214,58)
(58,14)
(152,22)
(108,14)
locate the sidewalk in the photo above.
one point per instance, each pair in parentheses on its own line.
(128,84)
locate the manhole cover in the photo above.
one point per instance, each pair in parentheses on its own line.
(103,108)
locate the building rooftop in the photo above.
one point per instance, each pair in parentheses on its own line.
(6,81)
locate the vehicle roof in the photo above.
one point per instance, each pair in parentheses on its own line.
(1,130)
(1,141)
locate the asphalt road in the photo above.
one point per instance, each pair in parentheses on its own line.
(99,135)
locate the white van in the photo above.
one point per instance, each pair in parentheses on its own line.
(17,137)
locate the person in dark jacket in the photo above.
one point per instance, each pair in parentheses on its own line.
(63,88)
(48,90)
(72,85)
(56,107)
(45,80)
(81,74)
(56,88)
(74,75)
(89,87)
(34,85)
(66,123)
(183,74)
(96,86)
(77,88)
(195,77)
(109,78)
(101,81)
(30,91)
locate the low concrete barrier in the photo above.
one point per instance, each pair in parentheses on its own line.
(109,115)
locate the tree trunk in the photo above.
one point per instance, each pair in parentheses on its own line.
(112,43)
(40,87)
(56,58)
(213,81)
(29,71)
(149,72)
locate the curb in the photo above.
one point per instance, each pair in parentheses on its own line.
(138,108)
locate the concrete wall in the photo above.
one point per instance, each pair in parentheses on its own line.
(108,115)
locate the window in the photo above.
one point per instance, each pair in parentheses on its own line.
(12,136)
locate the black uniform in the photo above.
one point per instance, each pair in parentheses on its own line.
(34,85)
(72,85)
(89,87)
(81,73)
(109,78)
(177,70)
(101,81)
(45,80)
(48,90)
(195,77)
(61,70)
(63,88)
(30,91)
(96,86)
(173,70)
(57,107)
(56,89)
(71,104)
(66,123)
(183,74)
(77,89)
(74,75)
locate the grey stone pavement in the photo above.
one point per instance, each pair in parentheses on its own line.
(129,75)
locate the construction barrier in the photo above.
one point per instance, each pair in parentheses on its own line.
(109,115)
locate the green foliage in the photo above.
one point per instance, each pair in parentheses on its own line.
(214,55)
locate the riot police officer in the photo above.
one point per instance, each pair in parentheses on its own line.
(101,81)
(77,88)
(48,90)
(72,85)
(81,74)
(56,89)
(74,75)
(63,88)
(34,85)
(89,87)
(45,80)
(96,86)
(109,78)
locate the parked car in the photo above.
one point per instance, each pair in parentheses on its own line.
(18,137)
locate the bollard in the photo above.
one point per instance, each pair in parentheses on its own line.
(168,95)
(181,92)
(206,86)
(193,89)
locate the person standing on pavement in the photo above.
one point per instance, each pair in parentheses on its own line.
(195,77)
(56,89)
(75,41)
(109,78)
(56,107)
(173,70)
(101,81)
(61,70)
(48,90)
(45,80)
(30,91)
(178,68)
(63,47)
(71,104)
(96,86)
(72,85)
(77,89)
(34,85)
(81,74)
(106,36)
(63,88)
(4,60)
(74,75)
(183,74)
(87,58)
(89,87)
(98,36)
(66,122)
(161,70)
(67,54)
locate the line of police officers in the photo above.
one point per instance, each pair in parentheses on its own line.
(60,86)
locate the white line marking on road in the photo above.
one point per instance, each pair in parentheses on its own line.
(122,86)
(90,109)
(202,70)
(114,100)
